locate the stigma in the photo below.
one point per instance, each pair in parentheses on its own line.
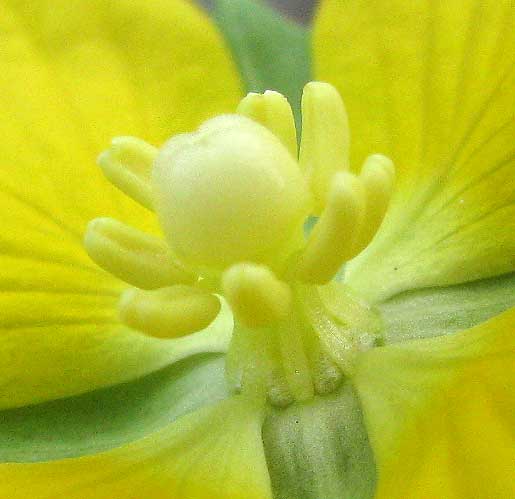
(232,199)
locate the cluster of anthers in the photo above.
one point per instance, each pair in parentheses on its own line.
(233,200)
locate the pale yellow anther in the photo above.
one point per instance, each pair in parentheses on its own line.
(257,297)
(377,176)
(127,164)
(168,312)
(135,257)
(273,111)
(324,147)
(332,241)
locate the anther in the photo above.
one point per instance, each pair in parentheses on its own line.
(168,312)
(135,257)
(324,147)
(127,164)
(257,297)
(333,239)
(273,111)
(377,176)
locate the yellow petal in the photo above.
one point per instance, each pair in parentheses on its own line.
(441,414)
(51,350)
(430,84)
(214,452)
(73,75)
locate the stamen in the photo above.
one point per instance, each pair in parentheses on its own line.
(347,331)
(294,358)
(324,147)
(127,165)
(137,258)
(255,294)
(168,312)
(325,373)
(377,176)
(273,111)
(232,201)
(250,359)
(332,241)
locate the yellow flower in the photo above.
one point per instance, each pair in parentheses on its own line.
(431,85)
(428,84)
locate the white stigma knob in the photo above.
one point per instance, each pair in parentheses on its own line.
(229,192)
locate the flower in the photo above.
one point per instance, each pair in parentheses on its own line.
(427,85)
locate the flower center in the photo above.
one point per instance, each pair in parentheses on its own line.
(232,199)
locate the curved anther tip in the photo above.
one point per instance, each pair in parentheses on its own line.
(377,164)
(127,164)
(168,312)
(137,258)
(319,86)
(377,176)
(272,110)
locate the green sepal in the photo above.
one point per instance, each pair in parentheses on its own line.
(430,312)
(110,417)
(271,52)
